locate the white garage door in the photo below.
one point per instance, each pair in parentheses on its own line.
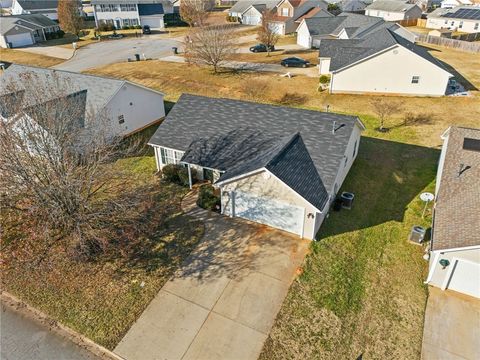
(20,39)
(270,212)
(155,22)
(250,20)
(465,278)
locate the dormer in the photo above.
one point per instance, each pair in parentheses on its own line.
(285,9)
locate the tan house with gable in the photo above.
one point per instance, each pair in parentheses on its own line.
(289,13)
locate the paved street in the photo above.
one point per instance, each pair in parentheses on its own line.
(24,339)
(452,326)
(113,51)
(223,301)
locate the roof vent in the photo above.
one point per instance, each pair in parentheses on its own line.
(335,127)
(462,169)
(471,144)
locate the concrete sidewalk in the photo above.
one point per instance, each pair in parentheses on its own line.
(223,301)
(452,326)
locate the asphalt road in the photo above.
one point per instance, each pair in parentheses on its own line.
(114,51)
(24,339)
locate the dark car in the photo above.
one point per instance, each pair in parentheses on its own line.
(294,62)
(146,30)
(262,48)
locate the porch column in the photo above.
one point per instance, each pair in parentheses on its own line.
(189,176)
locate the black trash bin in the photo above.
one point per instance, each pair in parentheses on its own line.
(175,50)
(347,200)
(137,57)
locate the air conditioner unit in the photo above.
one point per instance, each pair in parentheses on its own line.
(417,235)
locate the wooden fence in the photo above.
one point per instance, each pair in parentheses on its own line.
(451,43)
(412,22)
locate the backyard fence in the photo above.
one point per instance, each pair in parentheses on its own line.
(412,22)
(451,43)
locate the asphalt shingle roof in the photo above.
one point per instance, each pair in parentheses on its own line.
(38,4)
(241,6)
(457,205)
(28,21)
(390,5)
(195,117)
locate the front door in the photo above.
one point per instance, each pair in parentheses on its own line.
(117,24)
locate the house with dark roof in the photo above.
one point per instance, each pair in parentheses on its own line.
(47,8)
(461,18)
(394,10)
(343,26)
(120,107)
(274,165)
(289,13)
(253,16)
(381,62)
(121,13)
(25,30)
(455,241)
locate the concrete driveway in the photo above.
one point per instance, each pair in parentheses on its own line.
(113,51)
(452,326)
(222,303)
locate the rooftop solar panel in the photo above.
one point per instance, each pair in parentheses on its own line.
(469,14)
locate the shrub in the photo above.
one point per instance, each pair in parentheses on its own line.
(207,198)
(126,27)
(324,79)
(183,176)
(105,27)
(138,26)
(170,173)
(60,34)
(292,99)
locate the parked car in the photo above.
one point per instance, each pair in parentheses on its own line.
(261,48)
(294,62)
(146,30)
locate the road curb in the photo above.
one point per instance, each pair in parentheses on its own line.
(26,310)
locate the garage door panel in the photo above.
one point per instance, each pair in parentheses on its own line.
(153,22)
(465,278)
(270,212)
(19,40)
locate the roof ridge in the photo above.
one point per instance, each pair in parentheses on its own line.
(284,147)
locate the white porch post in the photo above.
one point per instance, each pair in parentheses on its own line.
(189,176)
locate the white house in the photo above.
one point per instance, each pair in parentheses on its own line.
(249,12)
(124,107)
(47,8)
(462,18)
(393,10)
(121,13)
(25,30)
(455,244)
(450,4)
(274,165)
(344,26)
(382,62)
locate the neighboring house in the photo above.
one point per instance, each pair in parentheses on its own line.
(249,12)
(274,165)
(446,33)
(393,10)
(289,13)
(6,5)
(381,62)
(463,18)
(43,7)
(450,4)
(25,30)
(455,243)
(120,13)
(353,6)
(124,107)
(344,26)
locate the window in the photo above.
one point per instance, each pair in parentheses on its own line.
(415,79)
(476,26)
(453,23)
(460,25)
(446,22)
(123,7)
(284,11)
(346,161)
(170,156)
(121,119)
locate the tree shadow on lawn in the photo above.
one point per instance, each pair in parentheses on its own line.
(385,178)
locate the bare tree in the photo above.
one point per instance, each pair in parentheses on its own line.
(195,12)
(212,45)
(69,16)
(56,164)
(266,33)
(383,108)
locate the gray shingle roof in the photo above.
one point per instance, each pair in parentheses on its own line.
(163,2)
(38,4)
(457,205)
(243,5)
(390,5)
(30,22)
(195,117)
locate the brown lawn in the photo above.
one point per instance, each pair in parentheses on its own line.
(27,58)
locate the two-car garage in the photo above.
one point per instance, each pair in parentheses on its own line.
(16,40)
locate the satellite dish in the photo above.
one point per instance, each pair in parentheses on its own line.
(426,197)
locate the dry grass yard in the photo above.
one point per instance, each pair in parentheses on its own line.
(26,58)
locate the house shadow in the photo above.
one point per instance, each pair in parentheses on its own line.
(468,86)
(385,178)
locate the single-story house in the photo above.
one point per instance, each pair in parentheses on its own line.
(381,62)
(353,6)
(450,4)
(289,13)
(25,30)
(274,165)
(446,33)
(344,26)
(124,107)
(455,244)
(393,10)
(47,8)
(120,13)
(462,18)
(249,12)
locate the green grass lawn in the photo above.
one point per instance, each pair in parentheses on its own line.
(102,298)
(361,290)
